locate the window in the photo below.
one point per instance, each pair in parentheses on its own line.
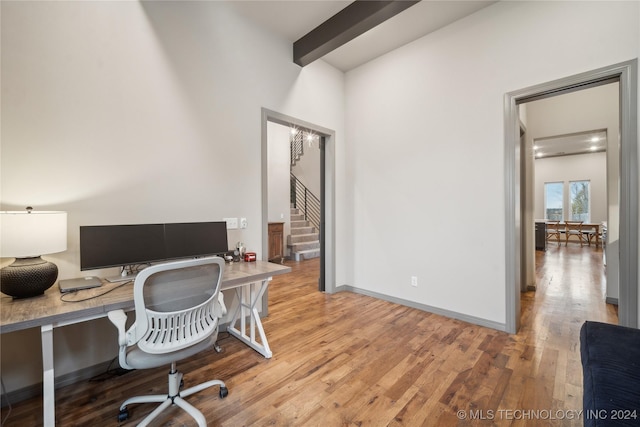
(579,193)
(553,200)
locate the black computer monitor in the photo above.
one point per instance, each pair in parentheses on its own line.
(195,239)
(103,246)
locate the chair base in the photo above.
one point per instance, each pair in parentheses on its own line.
(175,397)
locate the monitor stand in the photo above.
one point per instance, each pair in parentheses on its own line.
(127,274)
(115,279)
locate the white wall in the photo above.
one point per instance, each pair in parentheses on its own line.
(425,126)
(131,112)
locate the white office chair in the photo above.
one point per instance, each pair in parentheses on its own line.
(177,309)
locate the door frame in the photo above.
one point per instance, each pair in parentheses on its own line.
(326,280)
(626,74)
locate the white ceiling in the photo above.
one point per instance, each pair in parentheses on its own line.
(575,143)
(293,19)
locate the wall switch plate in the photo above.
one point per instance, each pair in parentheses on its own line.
(243,222)
(414,281)
(232,223)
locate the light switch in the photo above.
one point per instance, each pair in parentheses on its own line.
(232,223)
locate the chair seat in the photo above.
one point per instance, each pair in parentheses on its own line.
(138,359)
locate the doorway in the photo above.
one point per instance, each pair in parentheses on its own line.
(571,143)
(326,138)
(626,75)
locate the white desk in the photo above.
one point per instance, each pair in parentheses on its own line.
(249,279)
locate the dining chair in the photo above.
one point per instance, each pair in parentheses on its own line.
(553,231)
(590,234)
(574,229)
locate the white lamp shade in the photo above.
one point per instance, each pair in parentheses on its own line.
(25,235)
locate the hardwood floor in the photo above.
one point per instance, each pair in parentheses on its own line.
(352,360)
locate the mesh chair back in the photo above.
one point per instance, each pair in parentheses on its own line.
(176,304)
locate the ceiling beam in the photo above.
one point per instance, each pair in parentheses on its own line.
(352,21)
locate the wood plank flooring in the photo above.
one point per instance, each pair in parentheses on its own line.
(352,360)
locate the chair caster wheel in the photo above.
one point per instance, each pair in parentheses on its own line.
(224,392)
(123,415)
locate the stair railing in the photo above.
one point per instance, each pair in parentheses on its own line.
(297,147)
(305,201)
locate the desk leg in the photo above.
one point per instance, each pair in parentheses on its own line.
(48,377)
(248,298)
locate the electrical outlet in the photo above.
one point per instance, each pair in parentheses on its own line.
(243,222)
(414,281)
(232,223)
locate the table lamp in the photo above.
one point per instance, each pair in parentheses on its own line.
(25,236)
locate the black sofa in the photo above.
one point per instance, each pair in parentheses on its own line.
(611,374)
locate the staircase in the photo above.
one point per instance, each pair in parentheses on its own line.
(303,241)
(297,147)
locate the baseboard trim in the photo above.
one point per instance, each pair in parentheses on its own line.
(35,390)
(424,307)
(610,300)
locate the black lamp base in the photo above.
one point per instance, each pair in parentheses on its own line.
(28,277)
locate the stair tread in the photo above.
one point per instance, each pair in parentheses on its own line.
(299,238)
(310,242)
(304,246)
(306,251)
(301,231)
